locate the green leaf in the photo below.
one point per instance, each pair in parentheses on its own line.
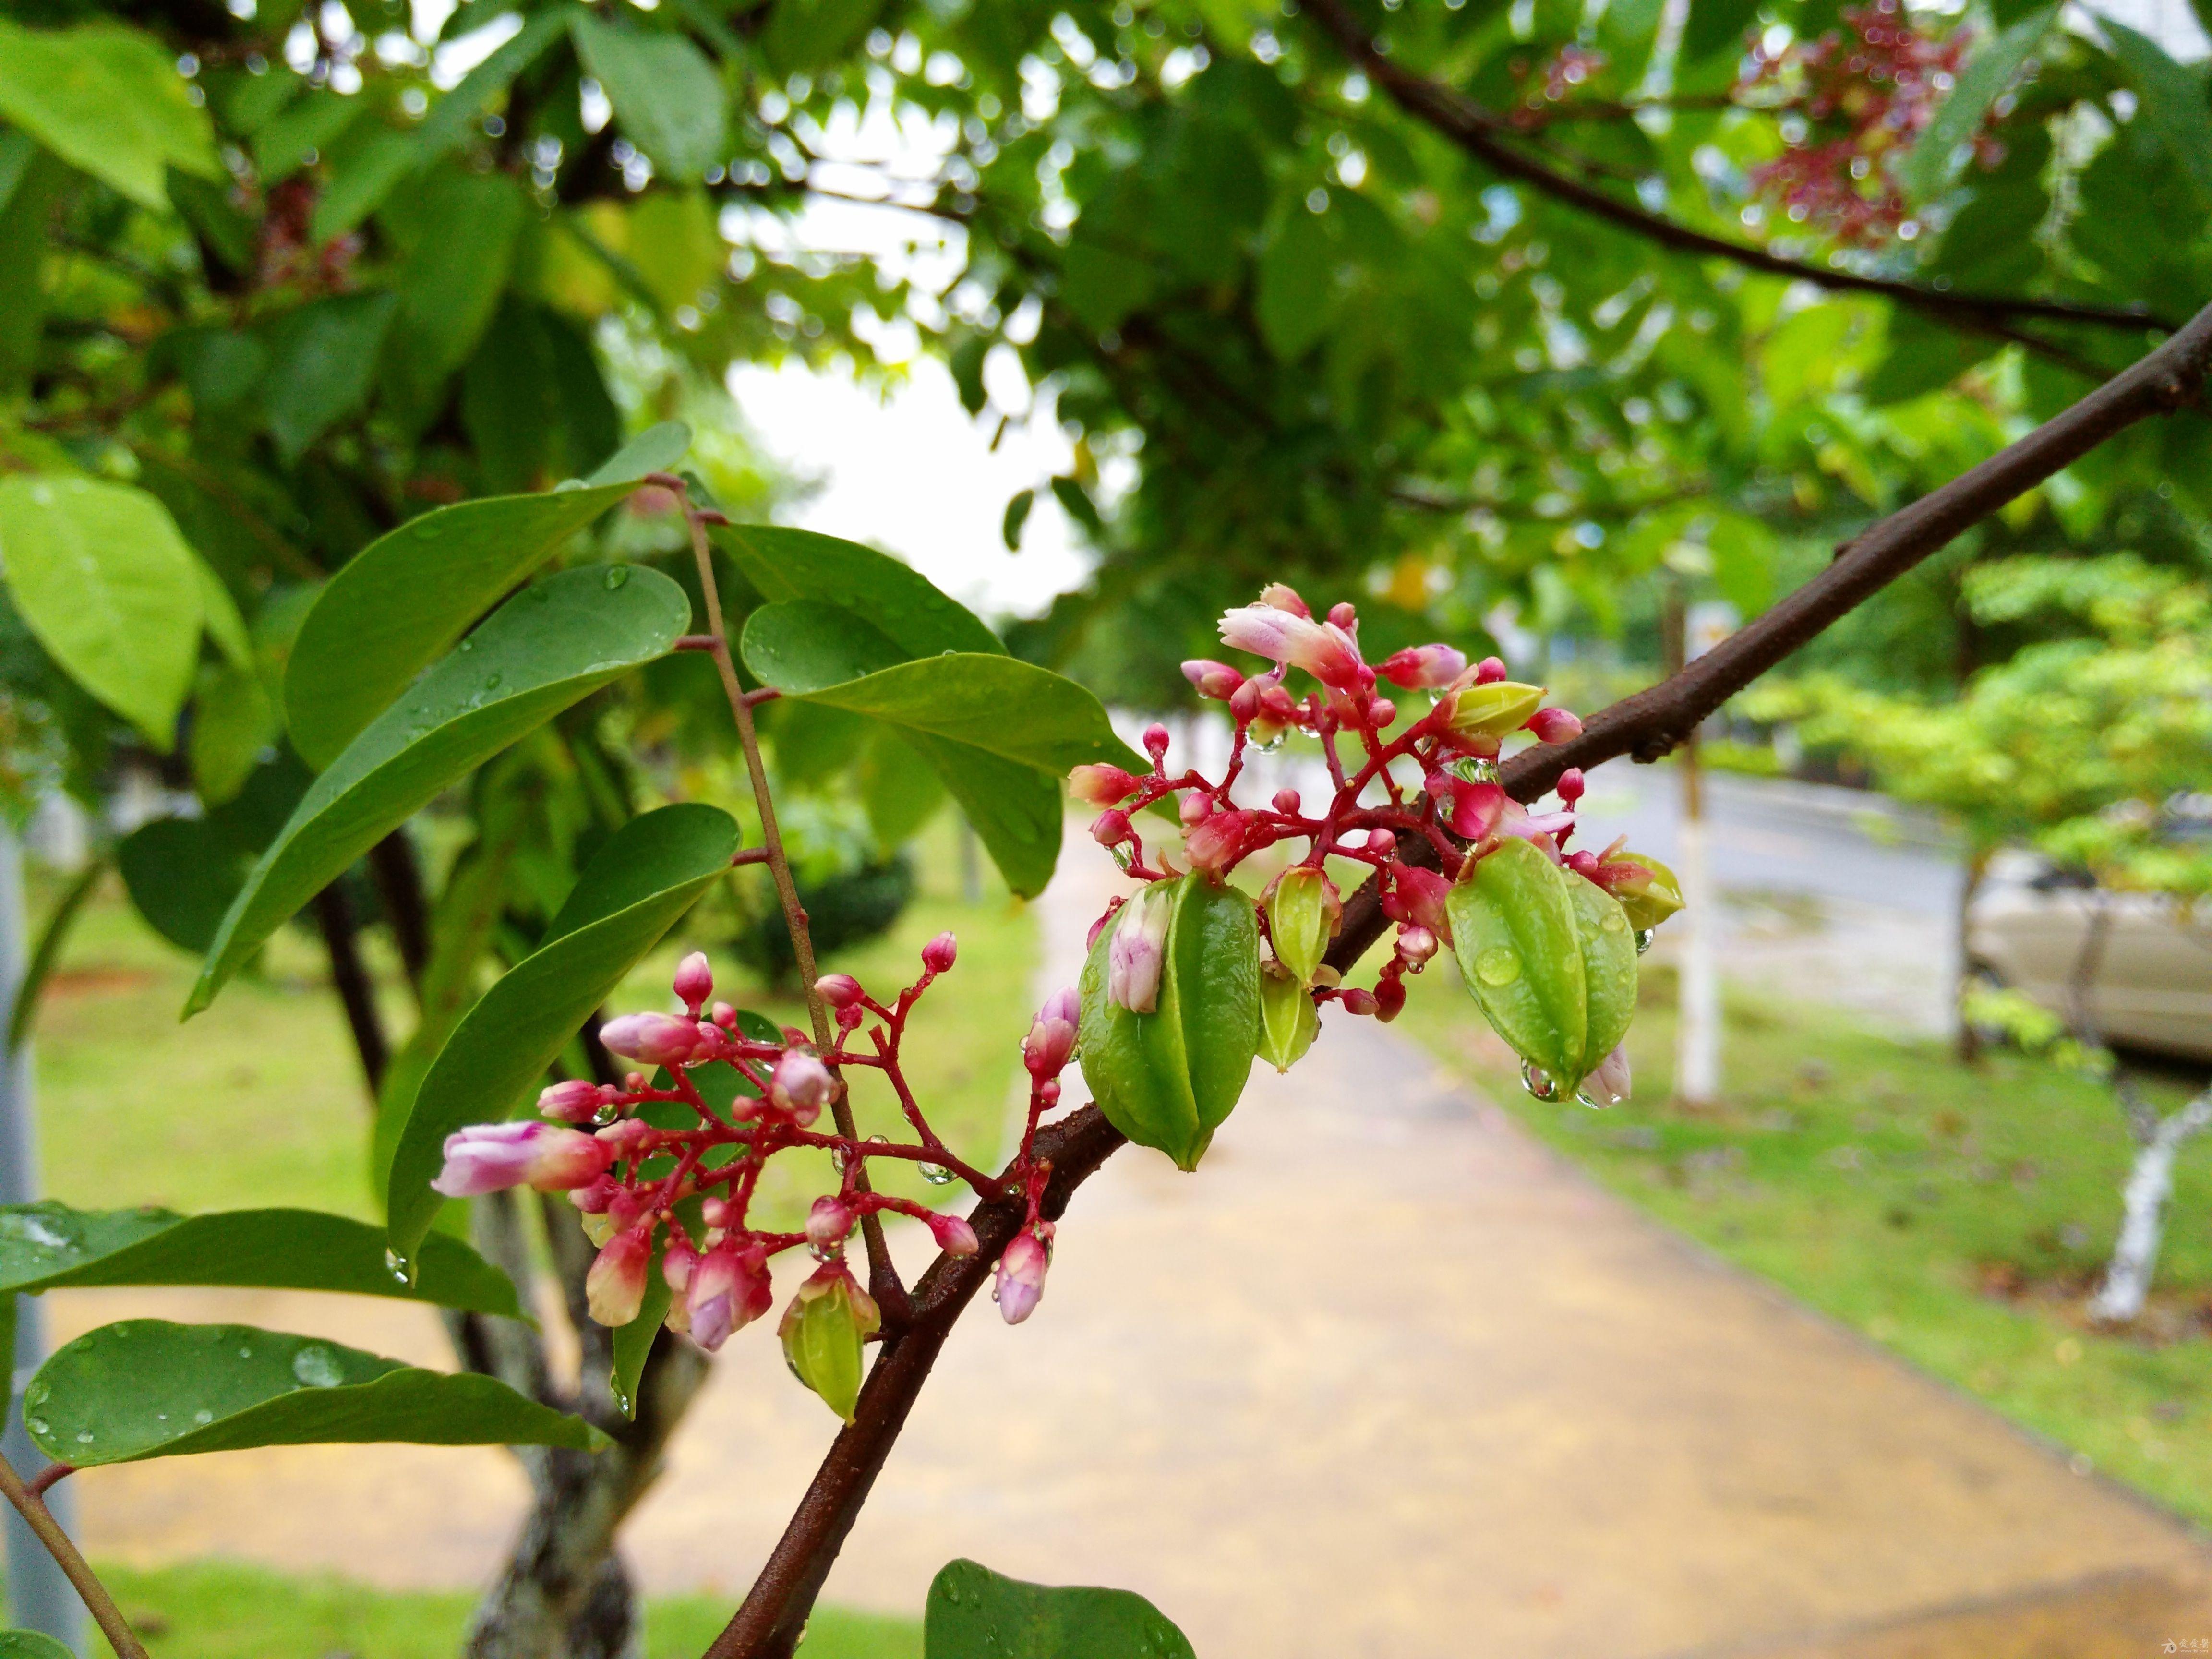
(323,363)
(49,1246)
(455,116)
(105,582)
(808,35)
(1076,502)
(150,1389)
(405,599)
(1018,516)
(108,99)
(1716,27)
(220,612)
(465,226)
(1015,811)
(632,892)
(665,93)
(29,179)
(2171,100)
(233,722)
(1296,286)
(182,878)
(975,1614)
(1928,169)
(656,449)
(631,1345)
(48,952)
(546,648)
(901,603)
(532,402)
(305,127)
(363,175)
(29,1644)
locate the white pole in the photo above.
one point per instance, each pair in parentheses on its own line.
(40,1597)
(1697,1035)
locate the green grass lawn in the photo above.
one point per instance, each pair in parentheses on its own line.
(1957,1215)
(223,1610)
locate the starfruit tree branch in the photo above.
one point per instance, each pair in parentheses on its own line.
(30,1503)
(883,1278)
(1646,726)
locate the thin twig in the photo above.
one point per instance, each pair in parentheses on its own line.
(883,1282)
(97,1602)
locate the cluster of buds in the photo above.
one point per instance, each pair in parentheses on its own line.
(664,1167)
(1430,783)
(1853,102)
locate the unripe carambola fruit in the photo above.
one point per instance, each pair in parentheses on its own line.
(1494,709)
(1289,1022)
(1302,914)
(1648,900)
(822,1330)
(1549,956)
(1168,1078)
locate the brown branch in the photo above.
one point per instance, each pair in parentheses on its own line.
(1645,726)
(349,978)
(1484,135)
(398,881)
(97,1602)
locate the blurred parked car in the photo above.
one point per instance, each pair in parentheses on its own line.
(2153,987)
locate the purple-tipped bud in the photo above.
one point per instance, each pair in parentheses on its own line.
(828,1222)
(729,1290)
(614,1289)
(1133,960)
(1611,1077)
(695,981)
(1244,703)
(1213,679)
(1554,725)
(840,991)
(1416,944)
(596,1197)
(1101,786)
(1422,667)
(954,1236)
(573,1101)
(656,1039)
(1021,1276)
(1111,827)
(937,955)
(623,1138)
(1156,742)
(1194,808)
(1113,908)
(489,1158)
(801,1086)
(1051,1039)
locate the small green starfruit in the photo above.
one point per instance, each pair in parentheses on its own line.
(1168,1077)
(822,1330)
(1289,1022)
(1494,709)
(1548,956)
(1303,912)
(1649,899)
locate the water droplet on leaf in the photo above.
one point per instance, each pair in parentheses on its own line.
(203,1416)
(1497,966)
(1643,938)
(617,576)
(318,1368)
(1538,1082)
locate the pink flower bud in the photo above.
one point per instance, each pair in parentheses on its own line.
(490,1157)
(1421,894)
(1490,671)
(678,1260)
(1416,944)
(1156,742)
(1216,843)
(614,1289)
(828,1222)
(954,1236)
(1283,597)
(695,981)
(1112,907)
(801,1086)
(1021,1276)
(656,1039)
(573,1101)
(1345,615)
(936,956)
(1244,703)
(623,1139)
(1194,808)
(1051,1039)
(729,1289)
(838,990)
(1390,997)
(1382,712)
(1422,667)
(1612,1077)
(1110,828)
(1287,802)
(1357,1001)
(1554,725)
(1048,1094)
(1101,786)
(596,1197)
(1213,679)
(1570,785)
(1133,960)
(1383,842)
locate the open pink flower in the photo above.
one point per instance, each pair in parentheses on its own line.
(489,1158)
(1323,649)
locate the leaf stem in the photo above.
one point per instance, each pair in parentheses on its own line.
(883,1283)
(97,1601)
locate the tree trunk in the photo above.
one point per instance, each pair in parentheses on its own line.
(2143,1214)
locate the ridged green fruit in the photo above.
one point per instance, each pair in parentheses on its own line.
(1168,1078)
(1648,900)
(1289,1022)
(1549,956)
(823,1331)
(1495,710)
(1301,917)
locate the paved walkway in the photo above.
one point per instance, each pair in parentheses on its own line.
(1385,1378)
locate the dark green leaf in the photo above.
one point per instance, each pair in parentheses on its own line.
(1923,356)
(656,449)
(405,599)
(548,647)
(908,608)
(1076,502)
(899,789)
(465,224)
(1016,518)
(665,93)
(51,937)
(1104,282)
(2171,100)
(105,582)
(29,1644)
(323,362)
(48,1246)
(32,178)
(1015,810)
(632,1344)
(150,1389)
(1297,284)
(305,128)
(532,401)
(1716,27)
(805,34)
(975,1614)
(365,172)
(1928,168)
(799,646)
(182,878)
(632,892)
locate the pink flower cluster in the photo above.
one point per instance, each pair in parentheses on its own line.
(1434,781)
(690,1188)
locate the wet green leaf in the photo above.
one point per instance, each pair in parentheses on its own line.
(664,92)
(975,1614)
